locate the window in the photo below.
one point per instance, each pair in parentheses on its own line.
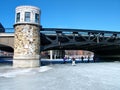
(27,16)
(37,18)
(18,17)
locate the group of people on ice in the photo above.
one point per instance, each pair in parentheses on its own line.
(73,59)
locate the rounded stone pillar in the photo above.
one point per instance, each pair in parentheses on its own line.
(27,37)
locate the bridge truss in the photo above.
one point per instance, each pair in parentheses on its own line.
(79,39)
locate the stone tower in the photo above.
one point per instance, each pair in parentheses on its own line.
(27,37)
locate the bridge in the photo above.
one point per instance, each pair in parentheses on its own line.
(30,38)
(104,44)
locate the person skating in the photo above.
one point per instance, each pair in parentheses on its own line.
(73,61)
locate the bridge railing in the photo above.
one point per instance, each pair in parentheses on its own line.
(50,31)
(9,30)
(78,30)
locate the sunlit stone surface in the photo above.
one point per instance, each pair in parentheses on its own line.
(27,37)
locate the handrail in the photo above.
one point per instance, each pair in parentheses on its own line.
(11,30)
(78,30)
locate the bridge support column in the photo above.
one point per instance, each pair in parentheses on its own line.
(27,37)
(59,53)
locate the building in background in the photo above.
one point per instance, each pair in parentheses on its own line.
(78,53)
(57,54)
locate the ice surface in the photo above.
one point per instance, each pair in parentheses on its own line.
(12,72)
(83,76)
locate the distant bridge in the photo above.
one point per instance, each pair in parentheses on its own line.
(7,42)
(105,44)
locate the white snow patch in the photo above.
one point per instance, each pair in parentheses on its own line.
(44,68)
(14,73)
(24,71)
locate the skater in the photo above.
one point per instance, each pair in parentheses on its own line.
(73,61)
(88,59)
(82,58)
(94,58)
(64,60)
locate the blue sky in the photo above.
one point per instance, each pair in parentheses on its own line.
(77,14)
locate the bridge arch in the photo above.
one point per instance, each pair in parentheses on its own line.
(7,39)
(104,44)
(6,48)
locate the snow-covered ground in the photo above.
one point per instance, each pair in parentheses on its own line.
(83,76)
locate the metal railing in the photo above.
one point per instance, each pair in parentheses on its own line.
(6,30)
(84,32)
(53,31)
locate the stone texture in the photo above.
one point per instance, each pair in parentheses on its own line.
(26,63)
(26,45)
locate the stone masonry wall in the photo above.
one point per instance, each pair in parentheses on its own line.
(27,40)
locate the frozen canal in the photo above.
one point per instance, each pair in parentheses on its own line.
(83,76)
